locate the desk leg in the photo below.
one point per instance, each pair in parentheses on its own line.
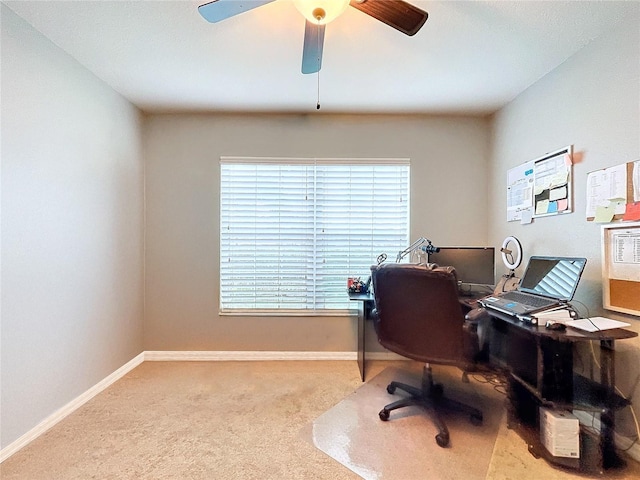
(361,347)
(607,417)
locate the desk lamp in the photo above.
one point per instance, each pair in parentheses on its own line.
(509,281)
(417,245)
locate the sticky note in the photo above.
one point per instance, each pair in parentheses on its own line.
(567,160)
(558,193)
(542,207)
(559,178)
(563,205)
(553,207)
(527,216)
(604,214)
(632,212)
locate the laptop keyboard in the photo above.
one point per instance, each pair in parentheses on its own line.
(525,299)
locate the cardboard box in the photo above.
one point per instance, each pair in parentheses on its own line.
(560,432)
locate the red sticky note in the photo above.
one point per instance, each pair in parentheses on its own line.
(568,161)
(632,212)
(563,204)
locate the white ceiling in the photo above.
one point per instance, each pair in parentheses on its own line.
(470,56)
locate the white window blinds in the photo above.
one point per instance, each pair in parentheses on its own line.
(293,230)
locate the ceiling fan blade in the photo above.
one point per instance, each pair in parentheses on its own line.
(222,9)
(312,49)
(396,13)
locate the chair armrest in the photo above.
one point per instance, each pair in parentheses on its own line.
(477,315)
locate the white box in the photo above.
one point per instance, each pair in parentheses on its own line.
(560,432)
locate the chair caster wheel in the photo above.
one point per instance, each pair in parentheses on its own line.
(442,440)
(476,419)
(391,389)
(384,415)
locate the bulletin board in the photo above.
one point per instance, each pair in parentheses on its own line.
(621,267)
(552,192)
(613,193)
(541,187)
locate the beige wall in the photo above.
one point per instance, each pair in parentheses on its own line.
(448,205)
(593,102)
(72,229)
(72,208)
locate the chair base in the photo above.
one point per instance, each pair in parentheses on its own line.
(432,398)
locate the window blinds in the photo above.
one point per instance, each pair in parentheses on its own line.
(293,230)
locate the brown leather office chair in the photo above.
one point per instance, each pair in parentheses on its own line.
(418,316)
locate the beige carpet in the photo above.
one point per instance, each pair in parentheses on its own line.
(192,421)
(242,420)
(404,447)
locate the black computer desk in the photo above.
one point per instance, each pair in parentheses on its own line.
(366,304)
(538,363)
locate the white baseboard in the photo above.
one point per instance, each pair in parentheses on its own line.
(73,405)
(69,408)
(243,356)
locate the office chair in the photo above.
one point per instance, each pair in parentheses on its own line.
(418,316)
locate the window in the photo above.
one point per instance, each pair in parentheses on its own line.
(293,230)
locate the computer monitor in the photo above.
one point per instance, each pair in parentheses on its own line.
(474,265)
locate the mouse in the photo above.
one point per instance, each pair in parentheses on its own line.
(555,326)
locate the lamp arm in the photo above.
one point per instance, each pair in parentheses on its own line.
(410,248)
(415,245)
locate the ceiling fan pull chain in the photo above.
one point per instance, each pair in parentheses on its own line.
(318,101)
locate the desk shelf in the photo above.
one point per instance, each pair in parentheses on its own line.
(588,396)
(539,363)
(596,455)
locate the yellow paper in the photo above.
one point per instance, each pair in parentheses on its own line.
(559,179)
(604,214)
(558,193)
(542,207)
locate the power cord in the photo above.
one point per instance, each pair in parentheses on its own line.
(595,360)
(497,379)
(633,413)
(587,317)
(617,390)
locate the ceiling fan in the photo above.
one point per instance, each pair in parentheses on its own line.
(398,14)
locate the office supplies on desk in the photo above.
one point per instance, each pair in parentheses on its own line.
(551,325)
(547,282)
(596,324)
(558,315)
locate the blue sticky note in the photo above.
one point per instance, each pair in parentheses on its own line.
(553,207)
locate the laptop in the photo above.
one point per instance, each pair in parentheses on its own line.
(547,282)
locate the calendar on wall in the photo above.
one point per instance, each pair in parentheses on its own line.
(621,267)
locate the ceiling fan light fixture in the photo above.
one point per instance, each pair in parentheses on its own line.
(321,12)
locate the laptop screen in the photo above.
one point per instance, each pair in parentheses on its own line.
(555,277)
